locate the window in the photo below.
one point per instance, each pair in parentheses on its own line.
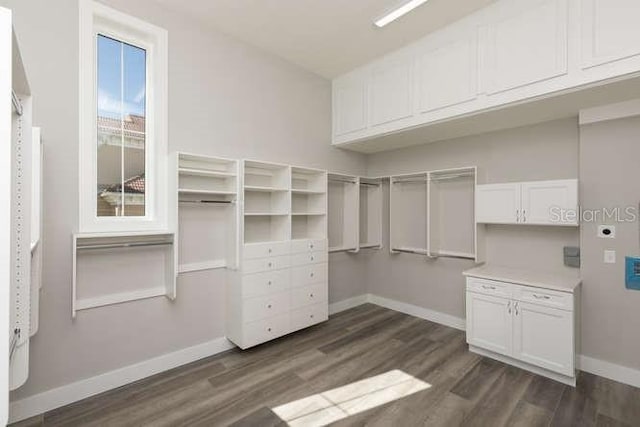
(122,144)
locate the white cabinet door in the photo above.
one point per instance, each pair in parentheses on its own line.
(350,104)
(391,96)
(498,203)
(489,323)
(610,31)
(526,44)
(544,337)
(550,202)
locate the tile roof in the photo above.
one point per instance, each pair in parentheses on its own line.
(134,126)
(133,185)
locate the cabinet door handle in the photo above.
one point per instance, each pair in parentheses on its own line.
(516,308)
(493,288)
(269,283)
(311,245)
(524,215)
(270,264)
(541,296)
(509,307)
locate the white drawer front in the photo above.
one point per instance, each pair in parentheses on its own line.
(309,295)
(266,329)
(258,284)
(489,287)
(266,264)
(266,306)
(309,258)
(308,316)
(299,246)
(309,274)
(544,297)
(263,250)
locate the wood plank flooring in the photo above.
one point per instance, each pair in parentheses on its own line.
(241,388)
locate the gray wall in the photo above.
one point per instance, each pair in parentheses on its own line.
(225,99)
(610,178)
(545,151)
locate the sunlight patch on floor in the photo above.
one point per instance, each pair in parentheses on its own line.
(339,403)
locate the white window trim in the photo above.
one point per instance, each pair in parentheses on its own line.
(94,18)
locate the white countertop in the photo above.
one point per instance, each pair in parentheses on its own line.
(561,281)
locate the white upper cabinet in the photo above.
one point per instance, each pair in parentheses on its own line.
(550,202)
(447,75)
(510,52)
(610,31)
(391,92)
(350,105)
(526,44)
(532,203)
(498,203)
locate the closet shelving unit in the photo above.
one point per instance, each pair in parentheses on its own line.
(21,236)
(206,212)
(344,216)
(308,204)
(432,214)
(266,202)
(370,220)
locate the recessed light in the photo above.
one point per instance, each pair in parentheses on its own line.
(397,13)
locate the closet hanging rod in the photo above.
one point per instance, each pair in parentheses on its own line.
(436,256)
(410,251)
(370,184)
(17,105)
(123,245)
(14,342)
(409,180)
(222,202)
(452,176)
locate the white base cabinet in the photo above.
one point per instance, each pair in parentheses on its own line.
(272,296)
(532,326)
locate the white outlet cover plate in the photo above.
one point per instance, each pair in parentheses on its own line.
(612,231)
(610,257)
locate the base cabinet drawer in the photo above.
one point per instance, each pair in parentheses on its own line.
(311,245)
(308,316)
(309,274)
(309,258)
(309,295)
(264,250)
(259,284)
(266,306)
(266,329)
(266,264)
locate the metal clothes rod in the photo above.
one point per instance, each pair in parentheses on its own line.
(456,176)
(371,184)
(17,105)
(452,256)
(14,342)
(409,251)
(124,245)
(223,202)
(409,180)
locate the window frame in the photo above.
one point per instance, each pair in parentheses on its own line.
(95,19)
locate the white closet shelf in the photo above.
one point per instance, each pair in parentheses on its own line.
(266,214)
(417,251)
(92,235)
(208,192)
(261,189)
(308,214)
(342,249)
(205,172)
(202,266)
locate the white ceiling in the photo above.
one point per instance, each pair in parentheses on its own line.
(327,37)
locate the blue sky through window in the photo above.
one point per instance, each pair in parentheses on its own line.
(120,92)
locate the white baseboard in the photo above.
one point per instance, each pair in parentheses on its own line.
(421,312)
(346,304)
(614,372)
(61,396)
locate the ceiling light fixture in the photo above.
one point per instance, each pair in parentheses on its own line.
(397,13)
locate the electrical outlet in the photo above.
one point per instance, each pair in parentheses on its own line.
(609,257)
(607,231)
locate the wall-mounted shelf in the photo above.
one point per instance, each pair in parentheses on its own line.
(98,281)
(206,214)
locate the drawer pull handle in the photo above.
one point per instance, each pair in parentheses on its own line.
(311,316)
(541,296)
(268,329)
(269,283)
(311,295)
(311,245)
(311,274)
(311,258)
(493,288)
(270,250)
(270,264)
(269,306)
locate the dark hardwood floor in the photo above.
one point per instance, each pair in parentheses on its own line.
(241,388)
